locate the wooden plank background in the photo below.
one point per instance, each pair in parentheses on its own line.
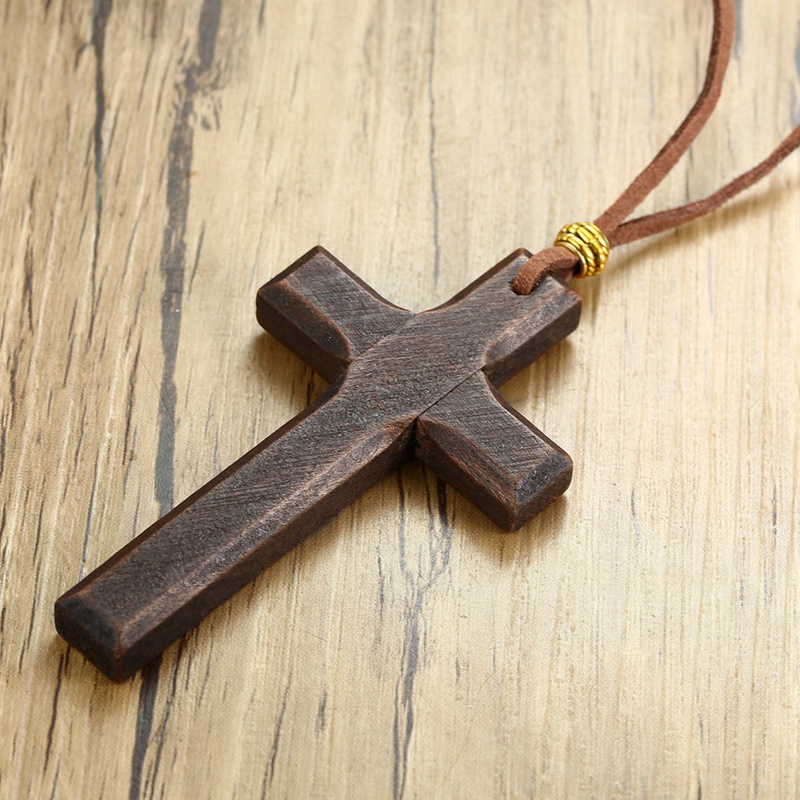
(159,161)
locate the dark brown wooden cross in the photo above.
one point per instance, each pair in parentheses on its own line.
(402,385)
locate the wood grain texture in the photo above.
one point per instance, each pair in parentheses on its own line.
(397,372)
(159,162)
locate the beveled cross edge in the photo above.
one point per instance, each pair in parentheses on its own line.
(402,385)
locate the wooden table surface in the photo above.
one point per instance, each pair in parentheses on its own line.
(160,161)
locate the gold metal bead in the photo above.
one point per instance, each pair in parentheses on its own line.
(588,243)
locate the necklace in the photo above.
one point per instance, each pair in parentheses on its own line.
(401,385)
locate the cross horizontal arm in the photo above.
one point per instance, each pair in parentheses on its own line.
(171,576)
(480,445)
(325,313)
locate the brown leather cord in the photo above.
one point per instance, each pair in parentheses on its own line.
(561,261)
(679,142)
(639,228)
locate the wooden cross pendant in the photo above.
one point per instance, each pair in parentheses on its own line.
(402,385)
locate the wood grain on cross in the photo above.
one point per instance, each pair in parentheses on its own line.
(402,384)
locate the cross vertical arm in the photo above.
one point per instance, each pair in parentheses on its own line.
(394,374)
(273,498)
